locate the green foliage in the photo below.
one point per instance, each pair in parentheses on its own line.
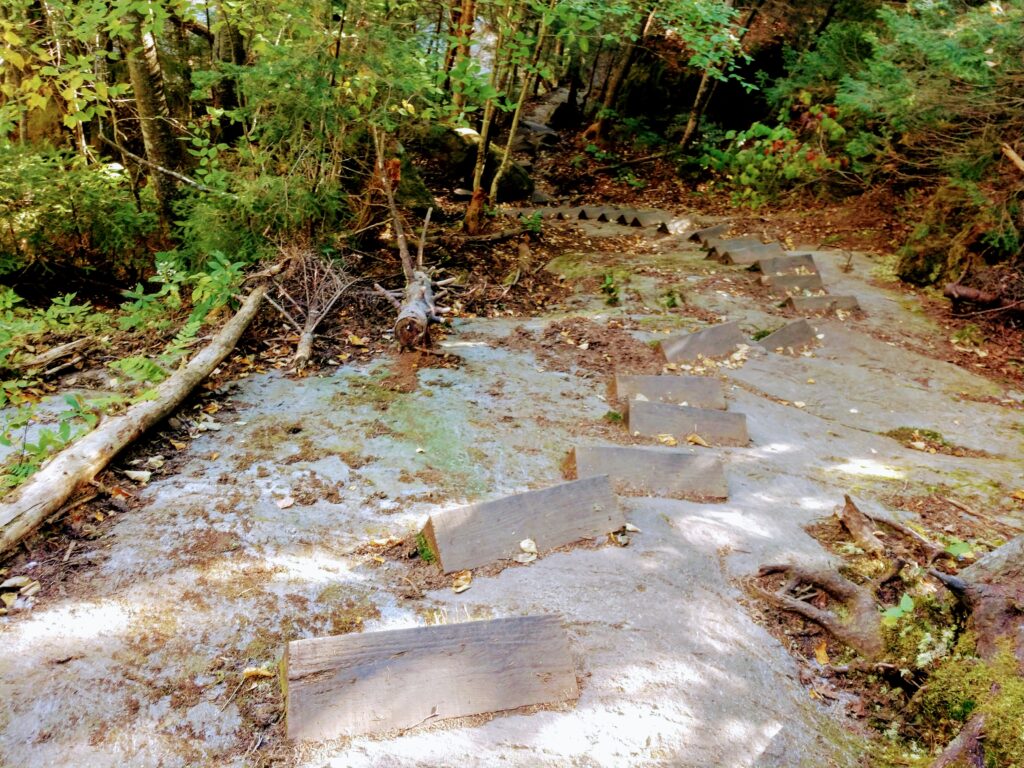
(763,161)
(611,289)
(426,554)
(891,616)
(58,211)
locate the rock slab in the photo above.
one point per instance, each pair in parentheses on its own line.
(790,338)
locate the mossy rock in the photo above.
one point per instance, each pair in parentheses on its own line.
(412,192)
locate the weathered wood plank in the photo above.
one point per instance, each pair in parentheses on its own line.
(668,472)
(825,304)
(716,245)
(790,338)
(716,341)
(793,285)
(793,264)
(701,235)
(648,419)
(751,255)
(486,532)
(698,391)
(382,681)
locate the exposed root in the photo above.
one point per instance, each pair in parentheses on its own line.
(967,749)
(860,528)
(862,631)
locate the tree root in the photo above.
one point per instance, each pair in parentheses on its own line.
(862,631)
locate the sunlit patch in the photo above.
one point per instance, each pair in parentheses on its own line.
(78,621)
(869,468)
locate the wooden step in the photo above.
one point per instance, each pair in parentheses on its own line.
(751,255)
(648,419)
(823,304)
(796,264)
(698,391)
(668,472)
(701,235)
(793,285)
(716,245)
(374,682)
(489,531)
(791,338)
(716,341)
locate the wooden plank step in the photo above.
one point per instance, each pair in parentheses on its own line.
(648,419)
(715,245)
(751,255)
(701,235)
(794,285)
(698,391)
(716,341)
(823,304)
(667,472)
(791,338)
(489,531)
(376,682)
(794,264)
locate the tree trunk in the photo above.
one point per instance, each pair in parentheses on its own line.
(618,75)
(229,48)
(43,495)
(148,85)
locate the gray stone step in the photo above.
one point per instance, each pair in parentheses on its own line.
(648,419)
(668,472)
(701,235)
(716,341)
(791,338)
(794,285)
(823,304)
(698,391)
(598,213)
(793,264)
(751,255)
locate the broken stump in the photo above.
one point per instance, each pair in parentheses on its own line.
(698,391)
(483,533)
(716,341)
(667,472)
(355,684)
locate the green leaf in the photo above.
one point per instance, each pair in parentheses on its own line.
(906,603)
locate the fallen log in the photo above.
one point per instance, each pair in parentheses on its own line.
(43,494)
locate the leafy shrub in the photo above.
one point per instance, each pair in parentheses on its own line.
(56,211)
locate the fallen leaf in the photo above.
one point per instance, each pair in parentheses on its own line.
(668,440)
(585,345)
(138,475)
(524,558)
(286,502)
(622,539)
(630,528)
(821,652)
(463,580)
(1019,495)
(178,445)
(250,672)
(8,598)
(355,341)
(215,455)
(529,546)
(694,439)
(16,582)
(799,403)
